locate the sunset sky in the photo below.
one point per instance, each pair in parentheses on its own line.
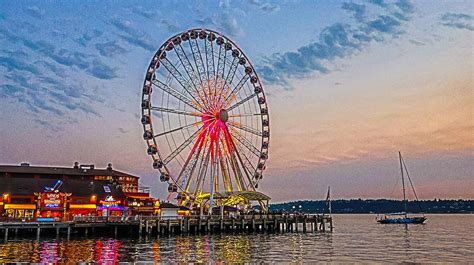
(349,84)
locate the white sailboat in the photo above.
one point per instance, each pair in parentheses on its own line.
(403,217)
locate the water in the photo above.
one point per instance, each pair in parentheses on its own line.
(444,238)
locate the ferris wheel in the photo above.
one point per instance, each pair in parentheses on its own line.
(205,117)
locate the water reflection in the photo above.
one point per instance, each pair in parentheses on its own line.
(355,239)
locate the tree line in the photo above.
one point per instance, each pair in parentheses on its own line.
(375,206)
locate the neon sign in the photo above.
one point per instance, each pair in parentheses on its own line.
(52,200)
(109,201)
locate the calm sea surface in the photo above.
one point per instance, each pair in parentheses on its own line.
(443,238)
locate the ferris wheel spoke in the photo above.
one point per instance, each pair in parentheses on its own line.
(245,115)
(181,80)
(246,143)
(245,169)
(176,94)
(202,173)
(247,163)
(180,112)
(210,63)
(230,166)
(188,173)
(232,70)
(244,128)
(234,160)
(182,146)
(233,94)
(241,102)
(225,170)
(180,128)
(239,179)
(195,78)
(244,166)
(201,70)
(221,63)
(187,170)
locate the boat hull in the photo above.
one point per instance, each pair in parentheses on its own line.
(403,220)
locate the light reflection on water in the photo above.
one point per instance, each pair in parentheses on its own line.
(356,237)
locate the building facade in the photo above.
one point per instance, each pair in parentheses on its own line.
(29,192)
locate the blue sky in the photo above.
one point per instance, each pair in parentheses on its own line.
(349,83)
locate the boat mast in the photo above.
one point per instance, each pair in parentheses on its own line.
(412,187)
(328,200)
(403,182)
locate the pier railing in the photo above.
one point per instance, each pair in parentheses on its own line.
(137,218)
(174,224)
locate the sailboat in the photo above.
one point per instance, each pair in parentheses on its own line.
(403,218)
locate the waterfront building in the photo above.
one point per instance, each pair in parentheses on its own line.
(29,192)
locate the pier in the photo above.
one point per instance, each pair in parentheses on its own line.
(156,225)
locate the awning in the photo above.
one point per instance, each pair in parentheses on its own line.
(82,206)
(143,208)
(247,195)
(21,206)
(140,197)
(52,209)
(250,195)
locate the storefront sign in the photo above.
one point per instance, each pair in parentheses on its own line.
(109,201)
(52,200)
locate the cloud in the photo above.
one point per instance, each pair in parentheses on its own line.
(86,38)
(357,10)
(12,63)
(40,91)
(336,41)
(417,43)
(8,90)
(380,3)
(205,22)
(53,68)
(90,64)
(264,6)
(68,58)
(171,27)
(110,48)
(44,104)
(35,12)
(229,25)
(101,70)
(132,35)
(150,14)
(458,20)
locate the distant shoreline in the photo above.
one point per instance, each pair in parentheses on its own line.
(377,206)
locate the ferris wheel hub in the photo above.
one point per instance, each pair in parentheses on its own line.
(223,115)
